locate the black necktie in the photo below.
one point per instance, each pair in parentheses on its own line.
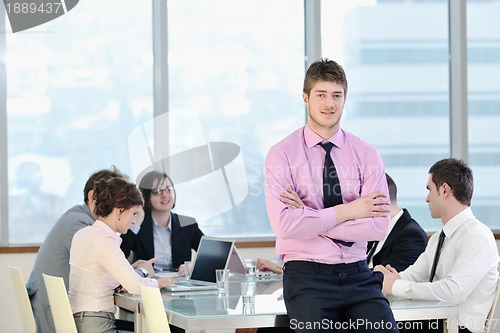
(332,193)
(436,255)
(371,252)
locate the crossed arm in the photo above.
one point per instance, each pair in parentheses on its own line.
(375,204)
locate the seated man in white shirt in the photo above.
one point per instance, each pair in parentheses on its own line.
(466,270)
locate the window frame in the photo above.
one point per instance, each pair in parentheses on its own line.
(458,115)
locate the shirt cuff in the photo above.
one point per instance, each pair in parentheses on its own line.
(400,287)
(328,218)
(138,271)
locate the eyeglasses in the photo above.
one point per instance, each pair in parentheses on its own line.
(159,191)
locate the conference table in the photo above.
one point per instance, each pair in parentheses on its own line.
(207,310)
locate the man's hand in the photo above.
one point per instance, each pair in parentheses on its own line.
(372,205)
(390,275)
(290,198)
(146,264)
(265,265)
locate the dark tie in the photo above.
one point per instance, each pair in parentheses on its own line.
(332,193)
(436,255)
(371,252)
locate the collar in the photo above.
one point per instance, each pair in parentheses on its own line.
(104,227)
(157,226)
(456,222)
(312,138)
(395,219)
(86,209)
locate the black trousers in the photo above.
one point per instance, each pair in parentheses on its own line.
(336,298)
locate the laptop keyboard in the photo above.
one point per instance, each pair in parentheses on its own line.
(188,283)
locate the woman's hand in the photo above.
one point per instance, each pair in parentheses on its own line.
(146,264)
(166,281)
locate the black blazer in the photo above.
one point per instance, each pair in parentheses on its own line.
(183,239)
(404,244)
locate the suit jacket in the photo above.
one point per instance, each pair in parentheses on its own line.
(183,239)
(406,241)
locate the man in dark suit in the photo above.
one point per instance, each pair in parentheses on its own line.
(405,241)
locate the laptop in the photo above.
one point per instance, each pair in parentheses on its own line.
(237,266)
(213,253)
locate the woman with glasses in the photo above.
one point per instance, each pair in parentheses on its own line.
(163,234)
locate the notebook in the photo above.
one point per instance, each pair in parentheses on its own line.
(237,266)
(213,253)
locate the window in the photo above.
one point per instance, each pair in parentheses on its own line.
(76,87)
(239,65)
(79,86)
(398,99)
(483,42)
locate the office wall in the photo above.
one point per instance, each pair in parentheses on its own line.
(10,318)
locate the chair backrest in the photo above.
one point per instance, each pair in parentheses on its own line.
(153,310)
(59,304)
(490,323)
(23,300)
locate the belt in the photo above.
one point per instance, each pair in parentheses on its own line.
(320,267)
(99,314)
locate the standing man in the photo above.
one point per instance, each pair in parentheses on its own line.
(406,239)
(324,204)
(464,269)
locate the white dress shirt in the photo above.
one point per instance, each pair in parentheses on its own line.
(163,245)
(466,274)
(97,267)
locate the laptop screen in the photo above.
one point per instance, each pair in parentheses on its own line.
(235,264)
(212,254)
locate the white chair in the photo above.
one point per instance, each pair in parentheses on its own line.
(490,322)
(23,300)
(153,310)
(59,304)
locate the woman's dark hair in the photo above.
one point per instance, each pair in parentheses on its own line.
(148,183)
(113,193)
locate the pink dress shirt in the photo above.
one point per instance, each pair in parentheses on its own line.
(297,161)
(97,267)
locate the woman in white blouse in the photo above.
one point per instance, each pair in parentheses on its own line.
(97,265)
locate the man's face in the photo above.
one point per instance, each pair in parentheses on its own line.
(434,198)
(325,105)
